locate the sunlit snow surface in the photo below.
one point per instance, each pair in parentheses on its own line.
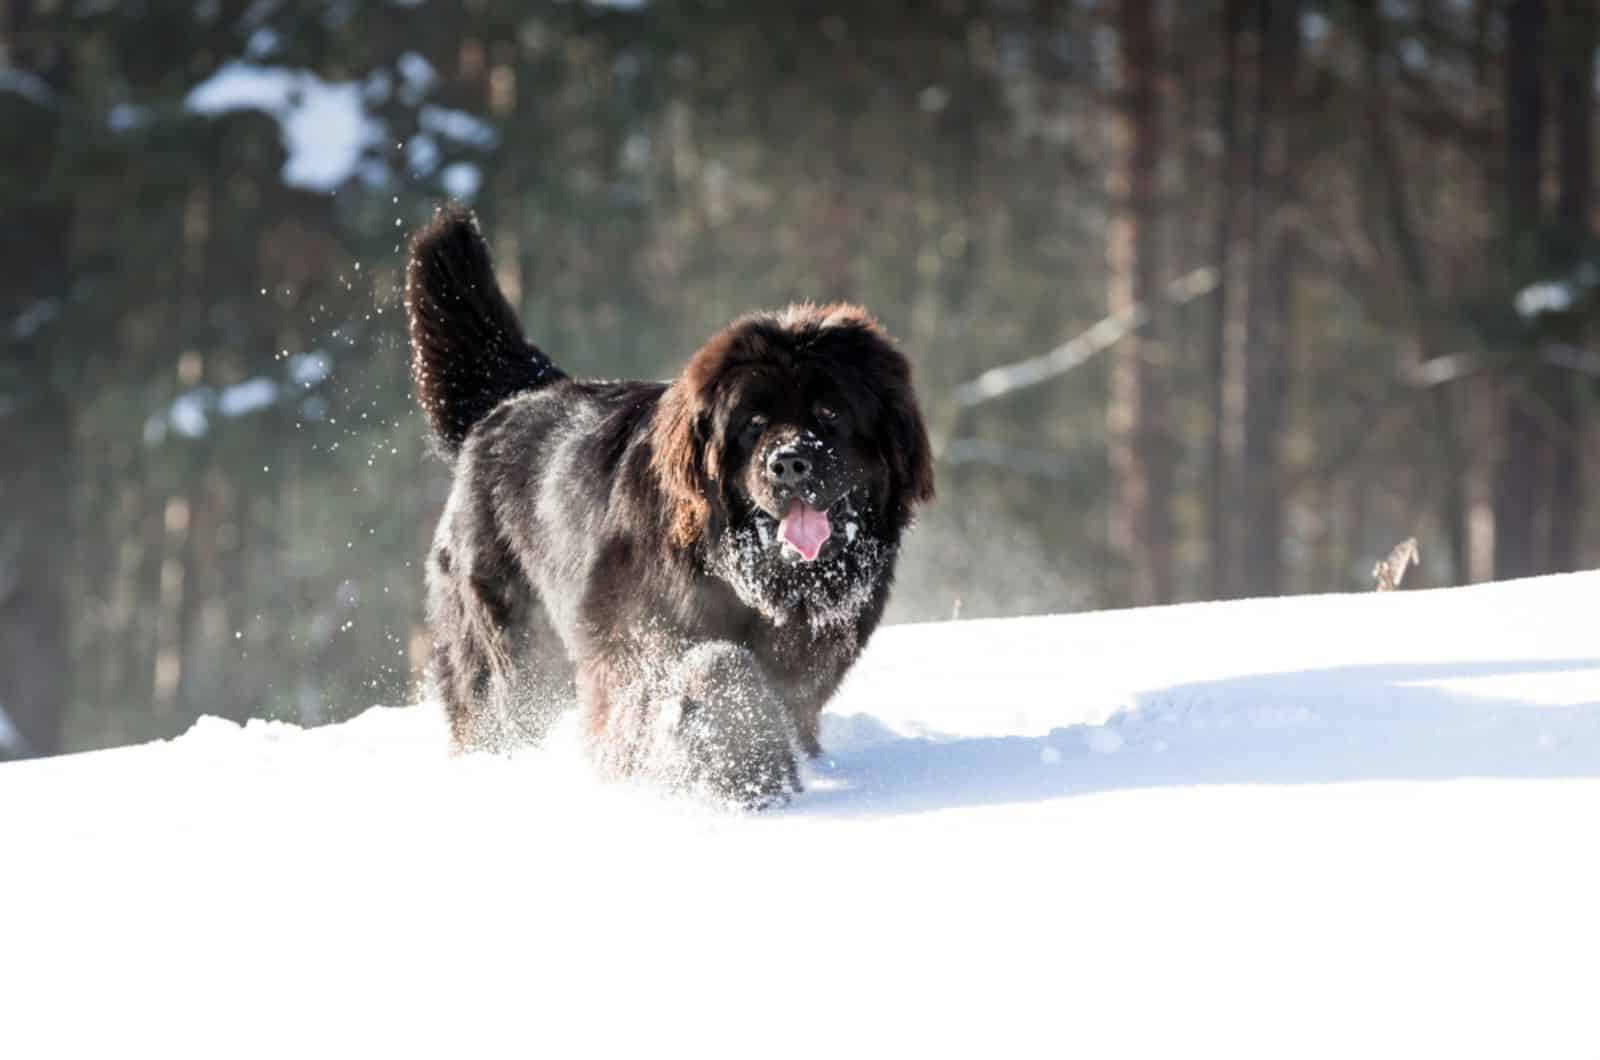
(1330,826)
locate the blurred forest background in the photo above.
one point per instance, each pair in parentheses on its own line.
(1299,280)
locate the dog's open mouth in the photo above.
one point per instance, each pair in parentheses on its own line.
(804,529)
(804,532)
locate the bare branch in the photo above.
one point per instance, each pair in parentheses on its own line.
(1446,369)
(1578,360)
(1007,379)
(995,454)
(1454,366)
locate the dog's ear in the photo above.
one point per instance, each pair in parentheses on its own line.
(907,452)
(910,456)
(679,459)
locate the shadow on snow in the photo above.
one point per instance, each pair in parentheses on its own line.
(1351,723)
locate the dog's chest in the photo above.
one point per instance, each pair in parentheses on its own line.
(808,663)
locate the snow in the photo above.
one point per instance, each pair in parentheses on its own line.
(457,125)
(418,76)
(263,41)
(309,368)
(422,154)
(252,395)
(1324,826)
(461,180)
(1544,297)
(126,117)
(188,413)
(38,313)
(1557,295)
(29,86)
(325,126)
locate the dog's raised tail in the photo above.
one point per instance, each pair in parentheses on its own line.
(467,349)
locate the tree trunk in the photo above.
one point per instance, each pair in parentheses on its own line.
(1270,302)
(35,660)
(1575,78)
(1517,473)
(1137,418)
(1219,545)
(1451,468)
(36,417)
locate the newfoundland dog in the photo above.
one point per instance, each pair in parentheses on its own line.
(704,558)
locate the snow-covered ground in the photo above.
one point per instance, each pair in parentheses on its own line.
(1327,826)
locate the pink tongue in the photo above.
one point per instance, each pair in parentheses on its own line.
(805,528)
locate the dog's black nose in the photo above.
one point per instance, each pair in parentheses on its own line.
(788,467)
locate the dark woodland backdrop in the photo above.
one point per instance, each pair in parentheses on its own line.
(1378,217)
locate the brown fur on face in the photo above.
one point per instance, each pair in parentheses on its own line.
(678,444)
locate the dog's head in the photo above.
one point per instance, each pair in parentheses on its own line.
(798,434)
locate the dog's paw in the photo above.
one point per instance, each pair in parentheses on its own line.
(731,731)
(738,750)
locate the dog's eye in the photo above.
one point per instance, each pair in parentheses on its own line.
(755,425)
(826,414)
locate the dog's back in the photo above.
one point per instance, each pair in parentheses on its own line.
(517,549)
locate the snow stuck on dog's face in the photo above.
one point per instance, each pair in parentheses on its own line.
(794,454)
(831,590)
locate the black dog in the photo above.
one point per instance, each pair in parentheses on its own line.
(707,558)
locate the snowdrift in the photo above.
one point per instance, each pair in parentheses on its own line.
(1323,826)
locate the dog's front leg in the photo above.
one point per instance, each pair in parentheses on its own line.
(709,720)
(729,729)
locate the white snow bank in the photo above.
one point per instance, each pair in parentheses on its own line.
(1328,826)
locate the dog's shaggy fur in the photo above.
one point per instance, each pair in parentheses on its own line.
(648,542)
